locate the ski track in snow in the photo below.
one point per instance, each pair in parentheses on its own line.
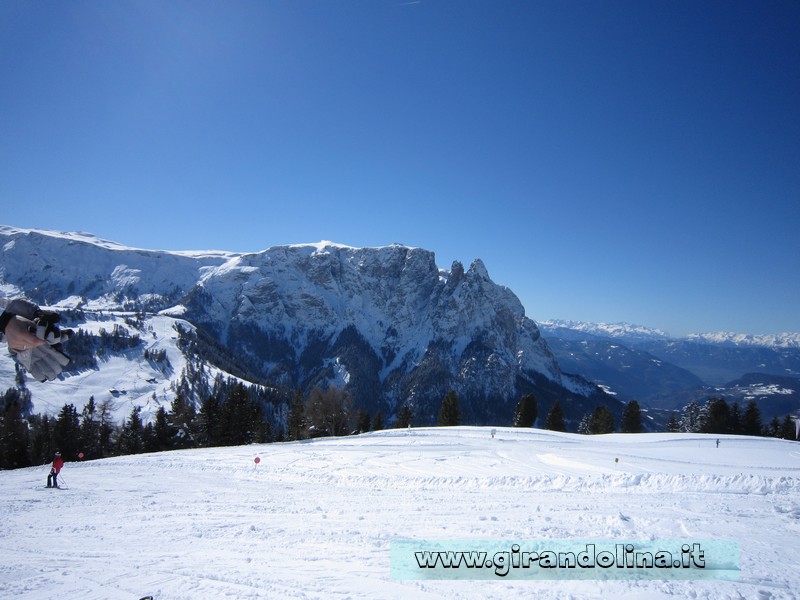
(315,519)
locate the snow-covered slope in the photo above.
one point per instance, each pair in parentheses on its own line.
(318,519)
(124,378)
(78,269)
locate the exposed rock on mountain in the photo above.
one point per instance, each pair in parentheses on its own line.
(385,323)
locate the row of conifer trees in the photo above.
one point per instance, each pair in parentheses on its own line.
(234,414)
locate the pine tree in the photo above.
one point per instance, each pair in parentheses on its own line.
(377,422)
(449,413)
(602,421)
(585,426)
(131,439)
(673,425)
(751,419)
(774,428)
(364,421)
(14,437)
(555,418)
(181,417)
(264,432)
(405,417)
(162,434)
(296,423)
(690,420)
(240,418)
(788,428)
(67,433)
(41,445)
(149,442)
(631,418)
(715,416)
(735,421)
(331,411)
(107,428)
(90,431)
(526,411)
(208,421)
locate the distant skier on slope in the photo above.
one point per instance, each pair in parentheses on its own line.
(33,338)
(58,464)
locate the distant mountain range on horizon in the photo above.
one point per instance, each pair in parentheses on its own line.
(632,332)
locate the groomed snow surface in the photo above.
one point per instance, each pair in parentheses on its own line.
(316,519)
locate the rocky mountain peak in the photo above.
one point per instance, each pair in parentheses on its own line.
(384,322)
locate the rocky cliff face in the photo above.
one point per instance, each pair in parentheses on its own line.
(386,323)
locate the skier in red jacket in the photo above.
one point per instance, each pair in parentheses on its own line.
(58,462)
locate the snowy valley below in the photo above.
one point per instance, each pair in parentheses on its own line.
(317,519)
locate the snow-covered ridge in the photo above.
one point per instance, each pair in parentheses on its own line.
(777,340)
(641,333)
(324,244)
(89,238)
(613,330)
(78,236)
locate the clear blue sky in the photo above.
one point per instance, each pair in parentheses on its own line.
(609,161)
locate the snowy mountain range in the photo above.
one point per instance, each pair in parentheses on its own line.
(385,323)
(580,329)
(778,340)
(637,333)
(664,372)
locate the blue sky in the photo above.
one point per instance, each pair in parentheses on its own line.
(608,161)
